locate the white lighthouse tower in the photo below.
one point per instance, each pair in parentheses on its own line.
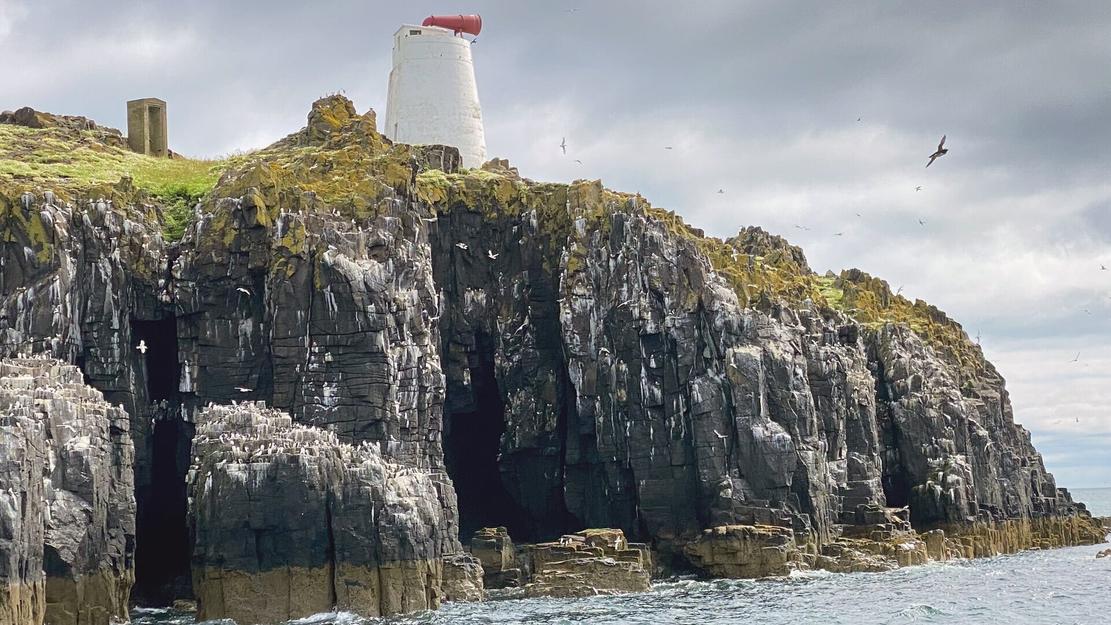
(433,98)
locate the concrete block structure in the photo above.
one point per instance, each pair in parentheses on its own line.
(146,127)
(433,97)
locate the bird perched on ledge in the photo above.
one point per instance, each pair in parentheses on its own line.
(941,151)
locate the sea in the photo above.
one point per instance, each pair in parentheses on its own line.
(1056,587)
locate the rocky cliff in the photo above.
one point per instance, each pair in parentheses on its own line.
(548,357)
(67,503)
(288,522)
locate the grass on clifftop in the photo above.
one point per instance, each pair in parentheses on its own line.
(57,157)
(71,162)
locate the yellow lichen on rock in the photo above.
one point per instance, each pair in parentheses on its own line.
(94,597)
(22,603)
(18,225)
(751,551)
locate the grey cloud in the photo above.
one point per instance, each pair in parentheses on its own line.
(1095,222)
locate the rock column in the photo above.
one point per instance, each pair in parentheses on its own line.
(66,498)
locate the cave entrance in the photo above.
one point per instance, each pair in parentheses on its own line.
(896,489)
(156,343)
(472,444)
(163,547)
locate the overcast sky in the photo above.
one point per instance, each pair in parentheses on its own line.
(804,113)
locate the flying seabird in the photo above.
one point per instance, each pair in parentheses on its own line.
(921,222)
(563,145)
(667,147)
(941,151)
(1077,359)
(142,347)
(242,389)
(1103,267)
(492,255)
(243,291)
(721,191)
(461,245)
(919,188)
(578,161)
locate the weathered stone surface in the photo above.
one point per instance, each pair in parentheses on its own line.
(936,546)
(745,551)
(462,578)
(848,555)
(957,448)
(677,390)
(587,563)
(82,281)
(993,538)
(272,296)
(494,549)
(289,521)
(67,504)
(586,577)
(31,118)
(687,405)
(23,589)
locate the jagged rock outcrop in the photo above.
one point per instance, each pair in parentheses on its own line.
(596,561)
(494,549)
(587,563)
(274,295)
(462,578)
(958,449)
(67,506)
(81,279)
(745,551)
(684,396)
(30,118)
(570,356)
(288,521)
(669,405)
